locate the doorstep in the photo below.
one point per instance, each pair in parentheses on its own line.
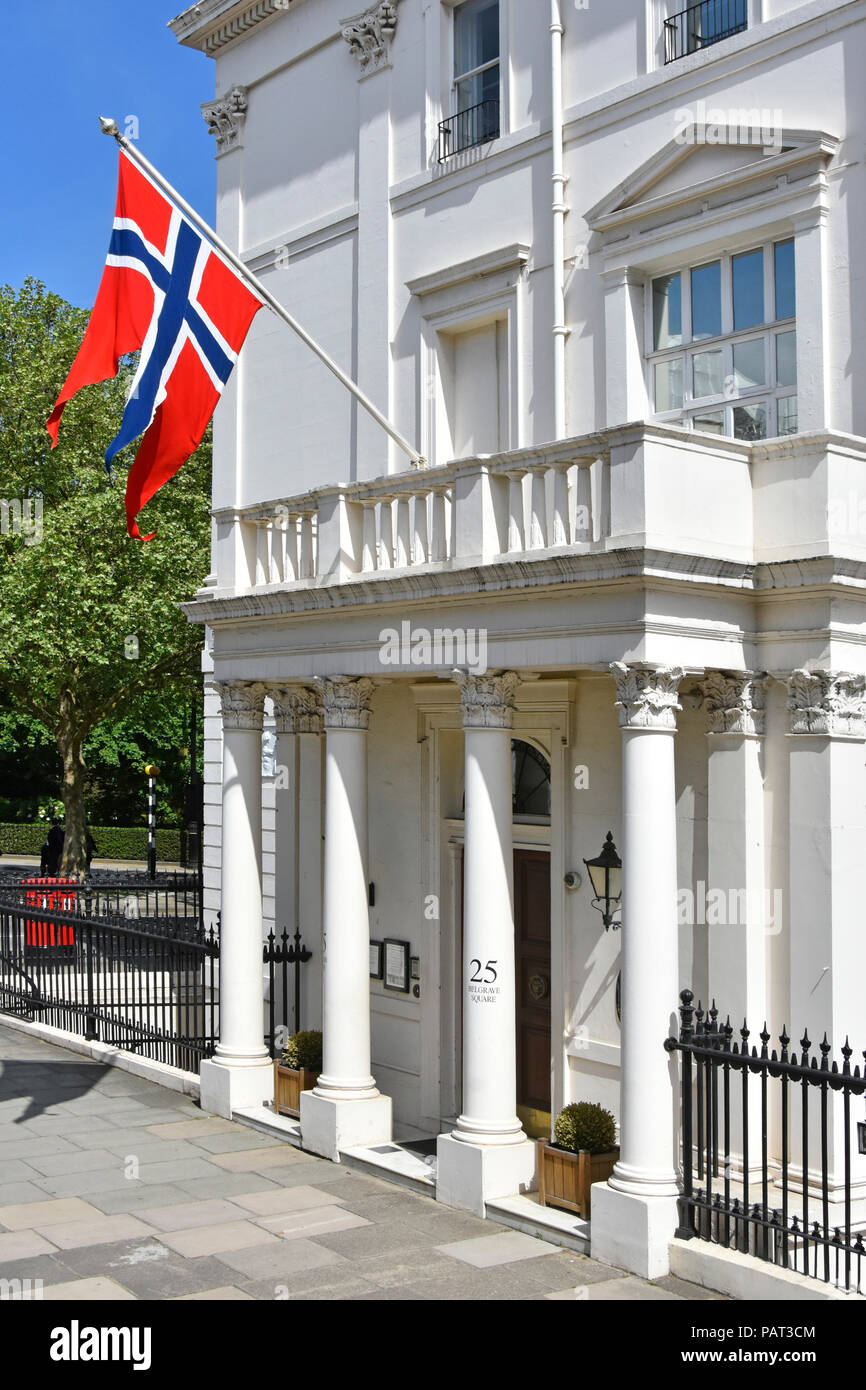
(410,1162)
(526,1213)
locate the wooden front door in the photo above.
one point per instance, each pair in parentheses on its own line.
(532,950)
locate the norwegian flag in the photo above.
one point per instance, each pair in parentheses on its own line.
(165,290)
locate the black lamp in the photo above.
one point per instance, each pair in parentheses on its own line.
(605,873)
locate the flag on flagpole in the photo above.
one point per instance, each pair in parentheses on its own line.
(167,291)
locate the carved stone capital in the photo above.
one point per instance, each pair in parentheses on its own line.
(647,696)
(345,702)
(734,701)
(243,704)
(369,36)
(296,709)
(225,118)
(827,702)
(488,701)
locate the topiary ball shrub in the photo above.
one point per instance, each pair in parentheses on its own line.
(304,1050)
(584,1125)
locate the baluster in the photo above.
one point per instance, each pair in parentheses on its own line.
(369,552)
(386,534)
(516,523)
(305,565)
(583,503)
(537,511)
(561,529)
(275,554)
(262,559)
(439,538)
(404,542)
(420,543)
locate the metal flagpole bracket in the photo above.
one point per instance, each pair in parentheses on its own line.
(109,126)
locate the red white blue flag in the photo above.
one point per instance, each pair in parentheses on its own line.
(167,291)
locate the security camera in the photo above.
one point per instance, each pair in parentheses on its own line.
(572,879)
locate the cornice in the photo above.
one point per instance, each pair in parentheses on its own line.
(210,25)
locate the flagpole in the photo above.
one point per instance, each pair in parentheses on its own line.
(110,127)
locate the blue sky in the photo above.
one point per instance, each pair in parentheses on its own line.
(67,62)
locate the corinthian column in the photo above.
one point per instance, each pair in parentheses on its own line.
(488,1154)
(827,850)
(240,1073)
(345,1110)
(634,1215)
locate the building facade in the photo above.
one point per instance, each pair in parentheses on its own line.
(598,261)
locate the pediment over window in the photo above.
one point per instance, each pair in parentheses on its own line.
(706,168)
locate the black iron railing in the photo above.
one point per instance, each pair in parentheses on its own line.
(736,1193)
(278,954)
(149,987)
(474,126)
(702,25)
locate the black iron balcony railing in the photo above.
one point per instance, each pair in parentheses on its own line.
(474,126)
(702,25)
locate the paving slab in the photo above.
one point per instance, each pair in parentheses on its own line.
(215,1240)
(182,1216)
(484,1252)
(28,1215)
(228,1293)
(280,1259)
(97,1230)
(21,1245)
(95,1290)
(315,1221)
(279,1201)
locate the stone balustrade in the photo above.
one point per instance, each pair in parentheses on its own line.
(475,511)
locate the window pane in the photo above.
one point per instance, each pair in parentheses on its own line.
(786,359)
(749,364)
(707,374)
(710,422)
(784,268)
(788,415)
(748,272)
(750,422)
(669,384)
(707,300)
(667,311)
(471,92)
(476,35)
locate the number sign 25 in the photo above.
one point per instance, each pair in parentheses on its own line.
(489,972)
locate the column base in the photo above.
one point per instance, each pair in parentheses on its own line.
(327,1126)
(225,1088)
(632,1231)
(470,1175)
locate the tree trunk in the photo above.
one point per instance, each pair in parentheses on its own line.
(69,741)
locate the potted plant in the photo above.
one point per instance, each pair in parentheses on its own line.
(296,1071)
(583,1151)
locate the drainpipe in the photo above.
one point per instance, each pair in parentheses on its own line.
(560,208)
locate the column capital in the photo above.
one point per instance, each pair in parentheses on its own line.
(345,701)
(297,710)
(225,118)
(369,36)
(734,702)
(242,703)
(827,702)
(647,696)
(488,701)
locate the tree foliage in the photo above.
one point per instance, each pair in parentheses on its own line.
(76,589)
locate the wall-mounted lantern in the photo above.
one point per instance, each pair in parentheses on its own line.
(605,873)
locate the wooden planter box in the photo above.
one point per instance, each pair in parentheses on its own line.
(289,1082)
(565,1179)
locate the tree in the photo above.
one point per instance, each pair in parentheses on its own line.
(89,619)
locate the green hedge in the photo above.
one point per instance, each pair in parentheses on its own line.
(113,841)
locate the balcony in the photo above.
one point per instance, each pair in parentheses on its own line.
(475,126)
(702,25)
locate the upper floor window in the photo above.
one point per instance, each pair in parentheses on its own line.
(704,24)
(476,82)
(722,353)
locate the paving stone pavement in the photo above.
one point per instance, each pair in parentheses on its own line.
(112,1187)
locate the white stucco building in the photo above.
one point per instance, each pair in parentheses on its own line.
(602,262)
